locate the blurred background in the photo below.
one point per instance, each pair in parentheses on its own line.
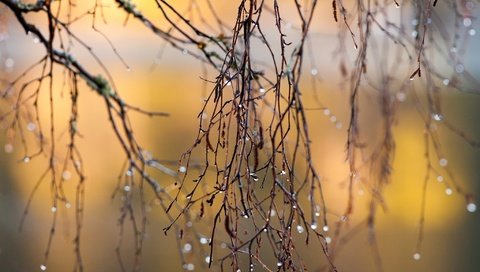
(161,78)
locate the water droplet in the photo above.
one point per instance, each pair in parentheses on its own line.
(314,71)
(283,172)
(207,259)
(185,51)
(325,228)
(189,266)
(338,125)
(36,40)
(443,162)
(414,22)
(472,32)
(127,188)
(440,178)
(54,209)
(204,240)
(187,248)
(448,191)
(314,226)
(279,264)
(129,172)
(68,205)
(31,126)
(459,68)
(245,216)
(453,50)
(8,148)
(9,63)
(467,21)
(328,239)
(300,229)
(66,175)
(446,82)
(326,112)
(333,118)
(43,267)
(129,69)
(437,117)
(26,159)
(470,5)
(414,34)
(182,169)
(262,90)
(417,256)
(471,207)
(401,96)
(273,212)
(317,214)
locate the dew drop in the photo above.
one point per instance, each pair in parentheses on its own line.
(129,173)
(8,148)
(471,207)
(401,96)
(414,34)
(68,205)
(417,256)
(283,172)
(338,125)
(326,112)
(414,22)
(437,117)
(187,248)
(127,188)
(328,239)
(43,267)
(470,5)
(440,178)
(31,126)
(325,228)
(204,240)
(333,118)
(317,214)
(54,209)
(279,264)
(446,82)
(182,169)
(448,191)
(467,21)
(314,71)
(9,63)
(273,212)
(314,226)
(189,266)
(300,229)
(262,90)
(207,259)
(26,159)
(472,32)
(66,175)
(459,68)
(443,162)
